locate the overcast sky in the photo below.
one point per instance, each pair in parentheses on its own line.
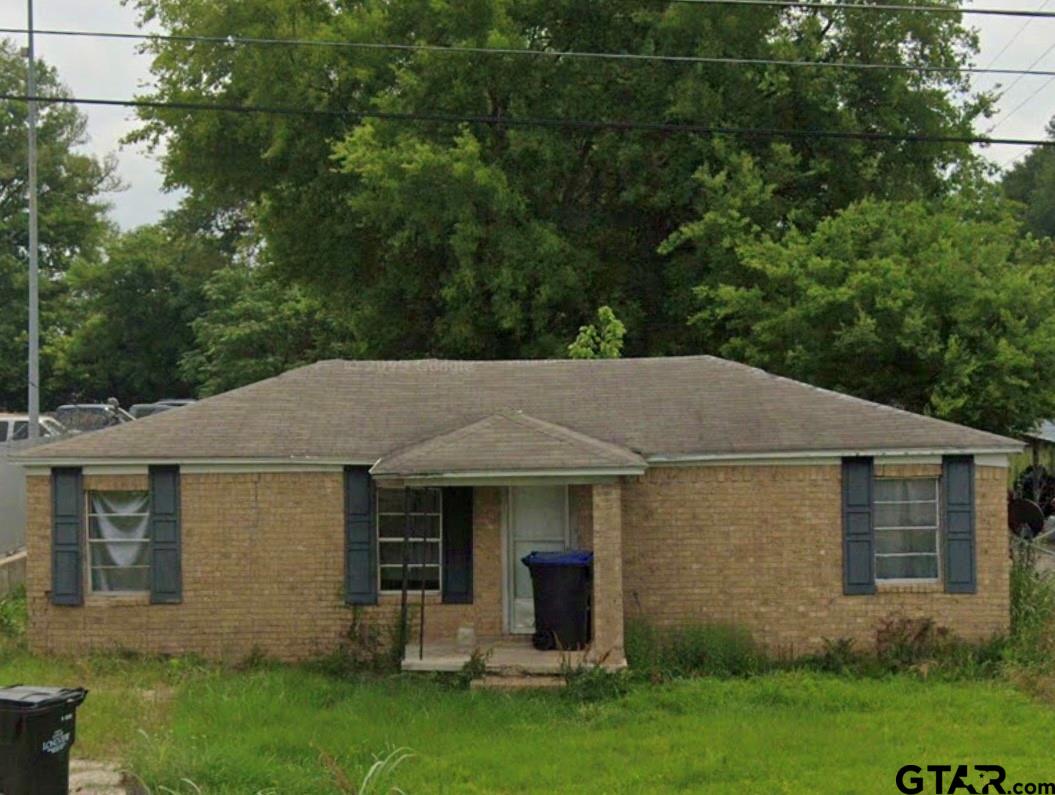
(108,68)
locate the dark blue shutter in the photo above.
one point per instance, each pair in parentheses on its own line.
(67,532)
(458,545)
(958,491)
(858,533)
(166,568)
(360,538)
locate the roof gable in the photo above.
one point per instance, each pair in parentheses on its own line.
(508,442)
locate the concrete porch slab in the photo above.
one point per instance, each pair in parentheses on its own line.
(506,656)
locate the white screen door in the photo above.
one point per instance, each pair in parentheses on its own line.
(538,522)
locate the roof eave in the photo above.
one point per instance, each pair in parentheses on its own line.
(73,461)
(499,477)
(656,459)
(899,452)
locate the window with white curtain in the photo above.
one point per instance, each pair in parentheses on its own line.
(907,528)
(118,541)
(425,543)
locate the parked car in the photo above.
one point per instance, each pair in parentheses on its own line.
(14,427)
(92,416)
(140,410)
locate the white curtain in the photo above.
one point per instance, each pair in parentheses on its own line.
(115,521)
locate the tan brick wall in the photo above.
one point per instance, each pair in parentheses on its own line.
(761,546)
(580,516)
(608,611)
(262,569)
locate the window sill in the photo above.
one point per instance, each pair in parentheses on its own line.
(117,600)
(910,587)
(413,598)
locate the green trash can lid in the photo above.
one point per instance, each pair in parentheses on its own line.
(29,697)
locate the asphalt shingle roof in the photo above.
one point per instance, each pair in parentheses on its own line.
(508,442)
(359,411)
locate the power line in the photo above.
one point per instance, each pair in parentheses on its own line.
(541,122)
(584,54)
(1036,60)
(1010,160)
(1017,33)
(1012,84)
(1023,103)
(926,7)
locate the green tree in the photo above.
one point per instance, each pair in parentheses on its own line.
(72,221)
(254,327)
(944,310)
(132,312)
(496,240)
(1032,182)
(603,340)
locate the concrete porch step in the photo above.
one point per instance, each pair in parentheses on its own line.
(95,778)
(507,682)
(503,656)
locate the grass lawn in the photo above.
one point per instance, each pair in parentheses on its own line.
(288,731)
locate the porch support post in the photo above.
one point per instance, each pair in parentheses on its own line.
(607,646)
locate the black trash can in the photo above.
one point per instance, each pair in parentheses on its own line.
(37,729)
(561,585)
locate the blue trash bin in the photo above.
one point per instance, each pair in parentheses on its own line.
(561,585)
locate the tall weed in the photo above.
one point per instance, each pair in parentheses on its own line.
(13,616)
(1032,642)
(693,650)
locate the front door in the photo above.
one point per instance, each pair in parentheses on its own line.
(538,522)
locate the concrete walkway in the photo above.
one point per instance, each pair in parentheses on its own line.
(96,778)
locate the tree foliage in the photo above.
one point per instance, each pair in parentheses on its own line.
(131,314)
(601,340)
(1032,182)
(71,219)
(254,327)
(942,309)
(881,268)
(495,240)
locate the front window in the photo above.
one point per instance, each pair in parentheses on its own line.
(425,511)
(906,528)
(118,541)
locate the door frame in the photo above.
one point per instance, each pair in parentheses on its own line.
(507,543)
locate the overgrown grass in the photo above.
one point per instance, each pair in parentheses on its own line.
(127,694)
(693,650)
(726,719)
(285,730)
(1032,641)
(13,616)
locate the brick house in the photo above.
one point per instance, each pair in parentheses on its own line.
(273,517)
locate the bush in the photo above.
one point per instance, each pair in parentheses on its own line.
(838,656)
(475,667)
(363,650)
(13,616)
(693,650)
(903,642)
(910,645)
(1032,641)
(589,683)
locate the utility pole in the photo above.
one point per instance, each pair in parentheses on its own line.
(34,265)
